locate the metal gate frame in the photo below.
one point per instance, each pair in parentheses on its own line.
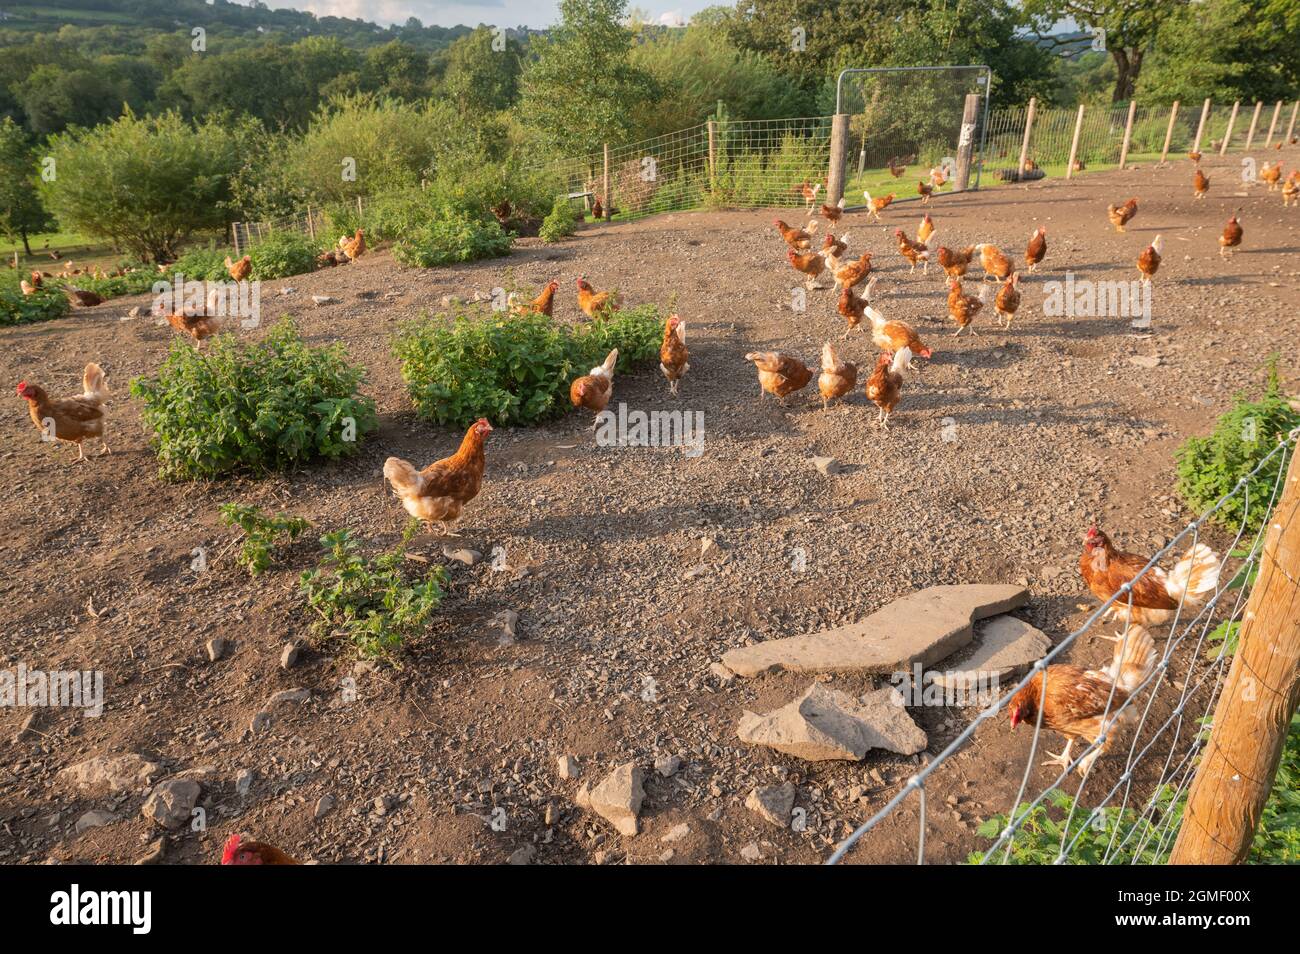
(985,79)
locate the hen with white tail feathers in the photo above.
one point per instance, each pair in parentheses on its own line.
(1156,595)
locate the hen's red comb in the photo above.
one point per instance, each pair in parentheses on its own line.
(232,847)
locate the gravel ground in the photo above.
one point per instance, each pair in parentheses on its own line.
(996,461)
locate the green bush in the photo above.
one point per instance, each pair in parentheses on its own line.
(370,603)
(115,286)
(257,407)
(260,533)
(452,236)
(513,369)
(204,264)
(284,253)
(18,309)
(1209,467)
(561,222)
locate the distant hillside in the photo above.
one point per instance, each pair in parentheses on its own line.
(218,17)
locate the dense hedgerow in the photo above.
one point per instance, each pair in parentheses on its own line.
(513,369)
(253,407)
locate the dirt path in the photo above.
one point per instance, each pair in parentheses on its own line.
(994,465)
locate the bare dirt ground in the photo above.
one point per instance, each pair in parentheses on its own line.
(1054,427)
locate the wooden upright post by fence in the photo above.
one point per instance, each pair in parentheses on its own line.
(966,141)
(311,225)
(605,184)
(1254,121)
(1227,136)
(1259,697)
(713,152)
(1074,143)
(1200,127)
(234,238)
(1272,126)
(1169,132)
(1128,132)
(839,157)
(1290,129)
(1024,141)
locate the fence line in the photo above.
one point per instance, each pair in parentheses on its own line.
(729,163)
(1166,793)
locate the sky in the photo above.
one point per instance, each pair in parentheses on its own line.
(509,13)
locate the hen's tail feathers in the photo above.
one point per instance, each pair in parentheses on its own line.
(811,228)
(1135,658)
(902,357)
(1196,574)
(406,480)
(606,369)
(94,385)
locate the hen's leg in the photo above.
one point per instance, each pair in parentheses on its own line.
(1063,760)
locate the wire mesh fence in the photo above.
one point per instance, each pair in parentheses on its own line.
(1163,715)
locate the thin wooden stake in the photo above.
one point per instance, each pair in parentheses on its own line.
(1272,126)
(1074,143)
(606,185)
(1200,127)
(1259,698)
(1169,132)
(713,151)
(1290,130)
(1254,121)
(1024,143)
(1227,136)
(1128,132)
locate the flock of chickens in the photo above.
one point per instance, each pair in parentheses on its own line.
(1081,704)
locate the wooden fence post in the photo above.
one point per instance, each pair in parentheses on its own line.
(605,185)
(1074,143)
(1254,121)
(1227,136)
(1024,142)
(966,141)
(1254,712)
(311,225)
(1272,126)
(839,158)
(1290,129)
(1128,133)
(1200,127)
(234,238)
(713,152)
(1169,132)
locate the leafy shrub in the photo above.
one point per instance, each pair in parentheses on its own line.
(284,253)
(1277,837)
(204,264)
(1209,467)
(451,237)
(115,286)
(369,603)
(260,533)
(513,369)
(19,309)
(263,406)
(561,222)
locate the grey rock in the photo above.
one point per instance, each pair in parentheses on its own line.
(385,804)
(825,724)
(721,673)
(28,729)
(566,766)
(676,833)
(170,803)
(829,466)
(260,722)
(522,856)
(244,782)
(667,765)
(772,803)
(617,799)
(1006,647)
(468,557)
(288,695)
(751,852)
(95,818)
(217,648)
(925,626)
(290,655)
(117,773)
(319,300)
(324,806)
(1145,361)
(508,621)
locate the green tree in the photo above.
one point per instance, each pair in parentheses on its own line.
(145,183)
(582,90)
(21,212)
(396,69)
(1131,28)
(480,78)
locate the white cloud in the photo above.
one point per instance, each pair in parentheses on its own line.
(530,13)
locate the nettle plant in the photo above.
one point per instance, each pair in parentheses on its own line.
(262,533)
(374,604)
(259,407)
(514,369)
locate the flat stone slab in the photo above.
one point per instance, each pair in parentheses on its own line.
(925,627)
(1006,646)
(617,799)
(824,724)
